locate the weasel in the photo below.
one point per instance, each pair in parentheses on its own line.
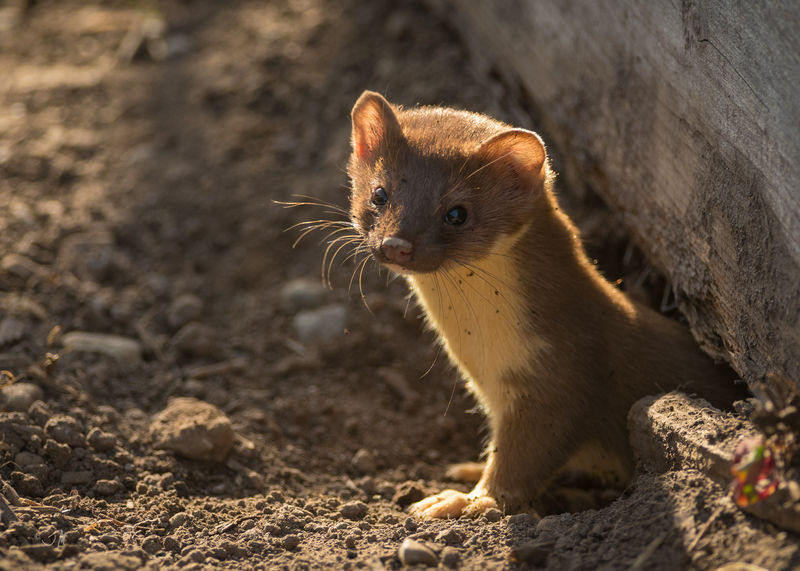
(463,207)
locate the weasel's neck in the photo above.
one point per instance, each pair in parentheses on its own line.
(480,313)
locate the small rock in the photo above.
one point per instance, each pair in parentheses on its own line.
(27,484)
(20,396)
(101,440)
(413,552)
(320,325)
(65,429)
(493,515)
(410,524)
(290,542)
(450,557)
(107,487)
(177,520)
(151,544)
(123,349)
(532,552)
(194,429)
(407,493)
(450,537)
(11,331)
(58,453)
(363,461)
(302,293)
(196,339)
(172,544)
(354,510)
(27,459)
(183,309)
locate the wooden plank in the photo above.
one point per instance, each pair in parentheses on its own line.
(685,118)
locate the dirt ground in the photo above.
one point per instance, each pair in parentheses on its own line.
(142,145)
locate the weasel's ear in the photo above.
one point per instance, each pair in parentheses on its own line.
(374,122)
(517,153)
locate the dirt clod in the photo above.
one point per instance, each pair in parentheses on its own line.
(194,429)
(354,510)
(65,429)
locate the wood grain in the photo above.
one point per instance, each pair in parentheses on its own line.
(685,118)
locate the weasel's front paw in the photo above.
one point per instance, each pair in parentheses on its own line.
(452,504)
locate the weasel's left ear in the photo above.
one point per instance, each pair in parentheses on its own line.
(374,123)
(517,153)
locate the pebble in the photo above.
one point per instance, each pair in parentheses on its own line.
(27,459)
(11,331)
(354,510)
(302,293)
(107,487)
(196,339)
(20,396)
(290,542)
(320,325)
(413,552)
(172,544)
(64,429)
(101,440)
(123,349)
(177,520)
(364,461)
(450,557)
(407,493)
(193,429)
(151,544)
(493,515)
(450,537)
(183,309)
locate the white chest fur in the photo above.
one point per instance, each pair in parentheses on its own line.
(478,312)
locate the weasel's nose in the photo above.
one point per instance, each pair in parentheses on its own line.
(396,249)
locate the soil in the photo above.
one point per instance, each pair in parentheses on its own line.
(142,148)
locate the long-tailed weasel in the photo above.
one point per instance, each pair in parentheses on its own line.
(462,206)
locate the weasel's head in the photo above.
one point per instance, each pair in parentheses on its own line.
(435,186)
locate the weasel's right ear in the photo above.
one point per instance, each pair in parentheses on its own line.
(374,122)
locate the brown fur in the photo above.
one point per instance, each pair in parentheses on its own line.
(554,353)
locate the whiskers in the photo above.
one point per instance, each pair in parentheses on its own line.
(341,235)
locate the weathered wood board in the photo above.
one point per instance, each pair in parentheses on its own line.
(685,117)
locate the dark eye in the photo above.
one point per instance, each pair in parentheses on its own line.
(379,196)
(456,215)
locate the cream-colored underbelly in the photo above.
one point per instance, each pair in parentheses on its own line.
(479,313)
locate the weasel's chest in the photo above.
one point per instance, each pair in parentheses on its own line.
(479,314)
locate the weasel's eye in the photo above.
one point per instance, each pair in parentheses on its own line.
(456,215)
(379,196)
